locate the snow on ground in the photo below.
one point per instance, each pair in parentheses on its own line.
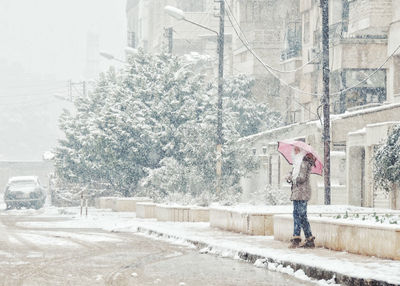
(378,220)
(45,240)
(225,244)
(312,209)
(228,244)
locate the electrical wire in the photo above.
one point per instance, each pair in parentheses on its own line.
(247,43)
(269,70)
(267,66)
(371,74)
(297,89)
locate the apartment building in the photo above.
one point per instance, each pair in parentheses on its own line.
(286,36)
(261,25)
(152,29)
(362,35)
(364,94)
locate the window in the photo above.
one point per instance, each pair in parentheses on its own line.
(131,39)
(292,40)
(371,91)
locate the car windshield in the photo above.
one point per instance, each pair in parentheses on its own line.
(22,186)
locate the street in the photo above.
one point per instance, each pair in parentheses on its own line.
(41,250)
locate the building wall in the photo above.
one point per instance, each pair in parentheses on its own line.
(262,24)
(353,136)
(393,78)
(361,189)
(363,33)
(370,17)
(150,23)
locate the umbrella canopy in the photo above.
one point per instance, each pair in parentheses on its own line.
(286,147)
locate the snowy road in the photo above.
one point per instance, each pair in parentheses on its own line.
(46,250)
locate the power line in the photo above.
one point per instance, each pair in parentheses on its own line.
(294,99)
(371,74)
(268,68)
(247,43)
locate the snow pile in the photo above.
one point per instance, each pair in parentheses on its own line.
(370,219)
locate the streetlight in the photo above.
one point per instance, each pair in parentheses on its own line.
(180,15)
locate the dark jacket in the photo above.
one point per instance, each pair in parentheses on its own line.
(301,189)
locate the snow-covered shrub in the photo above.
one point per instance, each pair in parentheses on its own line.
(275,196)
(387,161)
(269,196)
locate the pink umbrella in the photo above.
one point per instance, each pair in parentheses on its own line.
(285,147)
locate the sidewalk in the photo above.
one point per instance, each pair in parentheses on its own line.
(264,251)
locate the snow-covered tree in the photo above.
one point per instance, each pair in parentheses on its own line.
(154,122)
(387,161)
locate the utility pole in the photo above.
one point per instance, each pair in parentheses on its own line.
(325,102)
(170,34)
(70,90)
(179,15)
(220,138)
(84,88)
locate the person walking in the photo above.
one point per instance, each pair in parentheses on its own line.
(299,178)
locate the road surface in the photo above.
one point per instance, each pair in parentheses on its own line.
(32,253)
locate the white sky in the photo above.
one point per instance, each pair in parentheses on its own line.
(49,36)
(42,46)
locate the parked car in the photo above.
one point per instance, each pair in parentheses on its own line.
(24,191)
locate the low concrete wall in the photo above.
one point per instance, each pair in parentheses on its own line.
(145,210)
(165,213)
(197,214)
(381,241)
(260,222)
(128,204)
(249,223)
(105,202)
(181,213)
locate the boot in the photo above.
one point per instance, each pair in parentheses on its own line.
(309,243)
(295,242)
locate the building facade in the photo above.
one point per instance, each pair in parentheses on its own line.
(286,37)
(153,30)
(364,94)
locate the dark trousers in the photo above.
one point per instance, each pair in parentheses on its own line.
(300,219)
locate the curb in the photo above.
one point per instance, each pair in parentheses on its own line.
(310,271)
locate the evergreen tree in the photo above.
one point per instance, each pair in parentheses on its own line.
(155,122)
